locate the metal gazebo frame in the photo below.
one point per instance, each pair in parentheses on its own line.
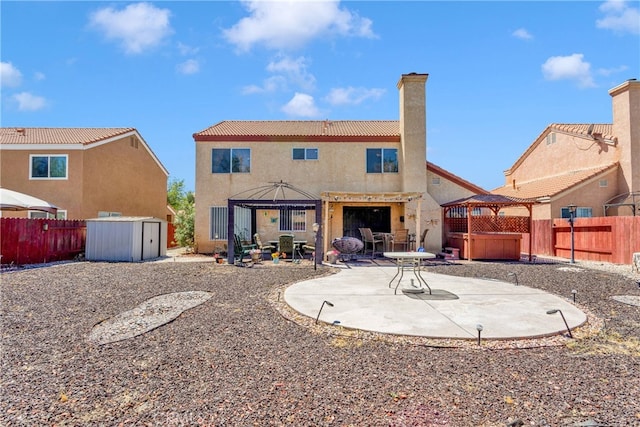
(255,199)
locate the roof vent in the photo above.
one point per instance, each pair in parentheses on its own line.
(21,131)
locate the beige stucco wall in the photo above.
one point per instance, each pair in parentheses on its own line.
(340,167)
(112,177)
(626,126)
(569,152)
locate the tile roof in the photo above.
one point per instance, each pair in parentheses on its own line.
(552,185)
(84,136)
(455,179)
(308,129)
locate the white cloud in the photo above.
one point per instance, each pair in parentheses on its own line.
(287,25)
(137,27)
(571,67)
(294,70)
(619,17)
(190,66)
(187,50)
(522,33)
(301,105)
(271,84)
(352,96)
(10,76)
(610,71)
(29,102)
(38,76)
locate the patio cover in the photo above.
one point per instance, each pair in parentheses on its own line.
(14,201)
(495,202)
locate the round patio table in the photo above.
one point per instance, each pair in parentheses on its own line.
(411,260)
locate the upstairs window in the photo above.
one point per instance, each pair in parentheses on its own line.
(382,160)
(305,154)
(48,166)
(231,160)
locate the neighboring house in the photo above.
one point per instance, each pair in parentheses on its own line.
(85,172)
(362,174)
(595,167)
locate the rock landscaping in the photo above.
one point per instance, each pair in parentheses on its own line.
(238,357)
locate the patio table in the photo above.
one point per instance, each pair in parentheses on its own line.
(406,260)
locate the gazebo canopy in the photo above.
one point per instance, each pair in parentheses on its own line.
(495,202)
(14,201)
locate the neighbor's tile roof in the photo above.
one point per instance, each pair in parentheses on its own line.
(270,130)
(550,186)
(455,178)
(84,136)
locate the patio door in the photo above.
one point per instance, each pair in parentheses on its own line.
(377,218)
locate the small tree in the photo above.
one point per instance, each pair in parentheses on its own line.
(184,205)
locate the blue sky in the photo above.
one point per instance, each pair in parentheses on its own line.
(499,72)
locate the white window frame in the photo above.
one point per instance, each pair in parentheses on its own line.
(49,156)
(61,214)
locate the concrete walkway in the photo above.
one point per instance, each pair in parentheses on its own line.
(362,299)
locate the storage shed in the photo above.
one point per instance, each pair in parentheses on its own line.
(125,238)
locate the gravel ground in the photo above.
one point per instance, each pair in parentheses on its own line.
(236,360)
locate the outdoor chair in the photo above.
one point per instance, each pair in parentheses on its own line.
(263,248)
(241,250)
(423,237)
(401,240)
(368,239)
(286,245)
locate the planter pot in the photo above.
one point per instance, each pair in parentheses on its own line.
(256,257)
(276,260)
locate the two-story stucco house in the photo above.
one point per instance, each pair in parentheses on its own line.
(595,167)
(361,174)
(85,172)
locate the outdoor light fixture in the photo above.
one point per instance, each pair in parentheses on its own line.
(320,311)
(479,329)
(574,292)
(572,218)
(514,275)
(45,226)
(554,311)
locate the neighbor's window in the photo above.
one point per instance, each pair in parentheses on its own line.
(231,160)
(106,214)
(382,160)
(48,167)
(580,212)
(305,154)
(46,215)
(551,138)
(604,183)
(435,180)
(293,220)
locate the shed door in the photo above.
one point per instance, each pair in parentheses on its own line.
(150,240)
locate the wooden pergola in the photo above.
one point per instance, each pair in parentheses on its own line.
(495,203)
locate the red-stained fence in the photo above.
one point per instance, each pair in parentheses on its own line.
(33,241)
(608,239)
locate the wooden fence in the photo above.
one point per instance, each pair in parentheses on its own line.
(32,241)
(611,239)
